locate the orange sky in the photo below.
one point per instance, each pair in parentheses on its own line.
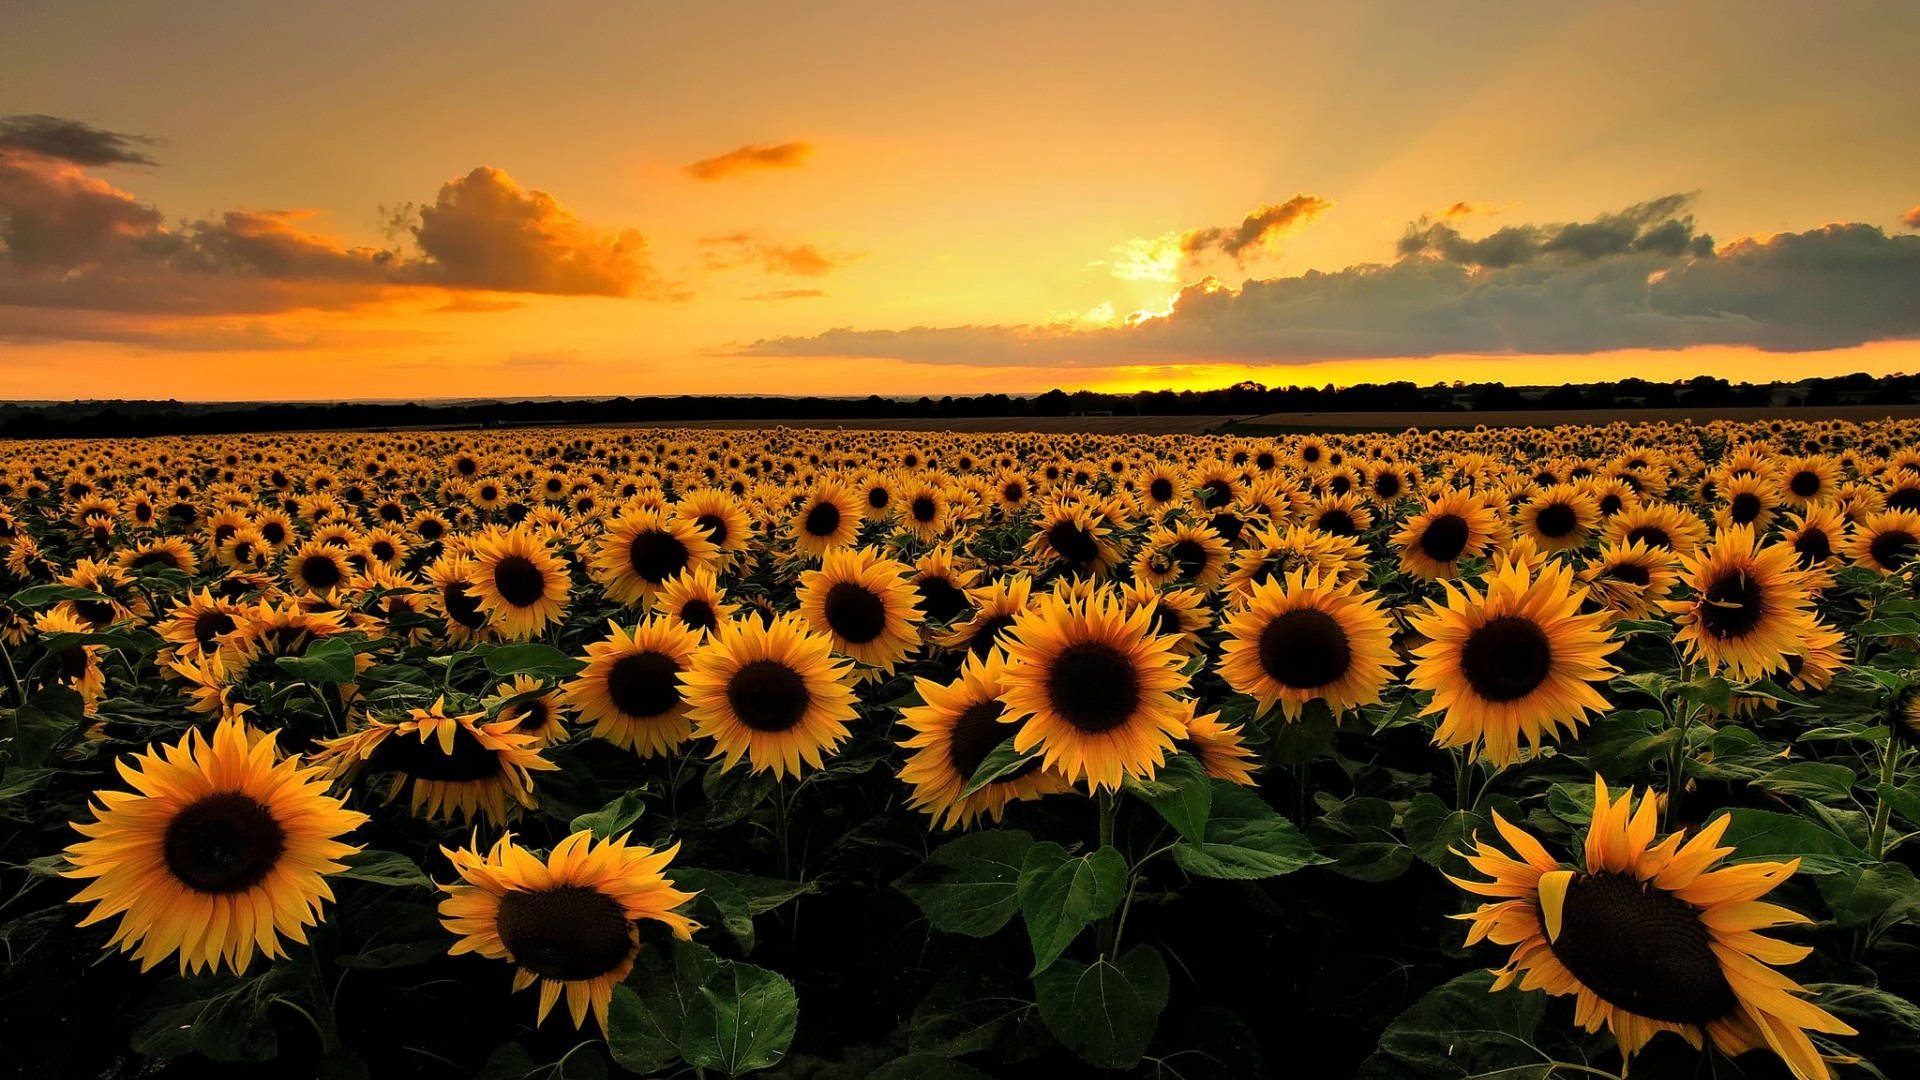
(485,199)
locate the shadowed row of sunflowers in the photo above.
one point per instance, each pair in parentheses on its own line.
(331,659)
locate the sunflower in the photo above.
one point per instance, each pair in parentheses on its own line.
(828,517)
(446,763)
(1559,518)
(1073,539)
(1306,638)
(1749,605)
(518,582)
(1629,581)
(942,586)
(1750,500)
(1807,481)
(695,600)
(1817,536)
(865,604)
(451,577)
(1093,688)
(219,850)
(925,511)
(1180,614)
(568,922)
(995,606)
(1187,553)
(196,625)
(161,553)
(1339,515)
(642,550)
(1885,541)
(1217,746)
(1163,487)
(76,667)
(1651,937)
(953,733)
(532,706)
(1659,525)
(1455,525)
(1511,664)
(1012,490)
(772,694)
(631,687)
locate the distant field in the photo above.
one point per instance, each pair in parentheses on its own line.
(1099,425)
(1396,421)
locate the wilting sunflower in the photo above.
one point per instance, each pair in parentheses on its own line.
(568,922)
(1885,541)
(954,732)
(695,601)
(219,850)
(1218,747)
(1455,525)
(531,706)
(1513,664)
(1749,608)
(1306,638)
(1092,687)
(642,550)
(865,603)
(828,517)
(631,687)
(446,763)
(1559,518)
(518,582)
(772,694)
(1651,937)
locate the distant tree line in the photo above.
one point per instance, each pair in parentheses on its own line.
(137,418)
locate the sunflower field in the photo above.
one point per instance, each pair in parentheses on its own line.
(1513,754)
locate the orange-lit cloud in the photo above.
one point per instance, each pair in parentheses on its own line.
(1257,231)
(750,248)
(784,155)
(1465,209)
(486,232)
(1911,219)
(788,294)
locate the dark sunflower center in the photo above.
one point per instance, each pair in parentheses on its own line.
(823,520)
(1166,620)
(699,615)
(462,606)
(855,613)
(1731,606)
(938,598)
(987,636)
(277,533)
(1161,489)
(1191,557)
(1805,484)
(1387,485)
(1631,573)
(1304,648)
(533,717)
(1892,548)
(72,661)
(1338,523)
(1814,546)
(1013,492)
(1310,454)
(924,509)
(1219,494)
(1905,498)
(767,695)
(1744,508)
(1641,949)
(1611,504)
(1444,538)
(1650,535)
(1093,687)
(644,683)
(975,733)
(1226,526)
(209,625)
(656,555)
(223,843)
(569,933)
(878,498)
(95,612)
(1507,658)
(403,752)
(1555,520)
(1073,543)
(157,558)
(520,582)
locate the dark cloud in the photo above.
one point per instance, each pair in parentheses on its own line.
(751,249)
(71,140)
(784,155)
(1663,225)
(1256,232)
(1832,287)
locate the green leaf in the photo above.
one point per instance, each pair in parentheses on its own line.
(328,660)
(733,794)
(1711,691)
(978,1007)
(1245,839)
(645,1032)
(1893,627)
(1296,742)
(1809,780)
(34,596)
(971,885)
(614,818)
(1061,895)
(384,868)
(743,1020)
(1761,835)
(1571,803)
(532,658)
(1181,792)
(1106,1011)
(1457,1030)
(1863,896)
(926,1067)
(720,902)
(1905,799)
(1358,837)
(1001,761)
(1889,1025)
(1433,828)
(510,1061)
(640,1040)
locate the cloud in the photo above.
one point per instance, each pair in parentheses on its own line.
(71,240)
(787,294)
(751,249)
(1631,280)
(784,155)
(1911,219)
(1465,209)
(71,140)
(1258,231)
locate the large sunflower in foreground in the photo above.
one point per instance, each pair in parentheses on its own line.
(568,922)
(1512,664)
(630,689)
(1749,608)
(1304,638)
(1094,687)
(865,603)
(518,583)
(445,763)
(772,694)
(219,850)
(954,732)
(1651,937)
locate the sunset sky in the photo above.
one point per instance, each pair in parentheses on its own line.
(433,199)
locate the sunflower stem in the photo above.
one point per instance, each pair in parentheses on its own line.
(1676,783)
(780,825)
(1108,809)
(1883,812)
(324,1021)
(13,678)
